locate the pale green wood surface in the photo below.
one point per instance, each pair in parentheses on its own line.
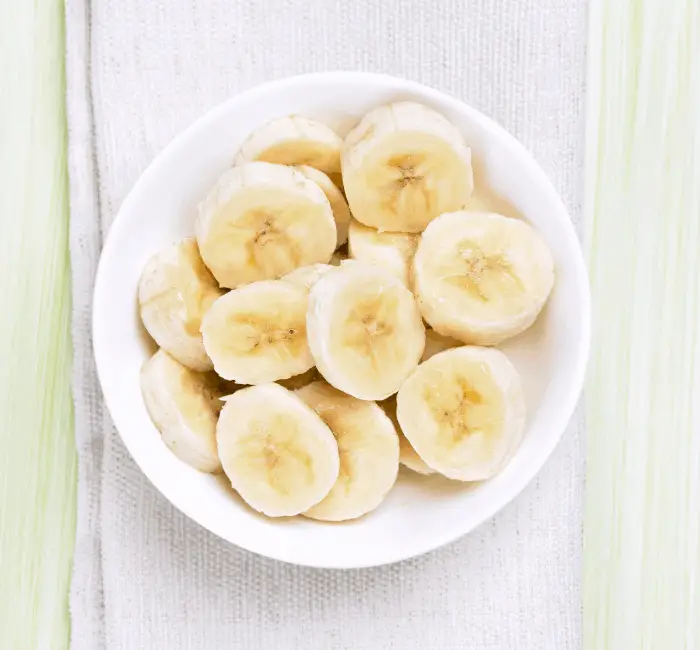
(642,515)
(642,524)
(37,454)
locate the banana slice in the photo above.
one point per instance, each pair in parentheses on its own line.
(175,290)
(435,343)
(341,211)
(184,406)
(261,221)
(299,381)
(368,447)
(463,411)
(365,330)
(403,165)
(307,276)
(408,456)
(392,251)
(481,278)
(257,334)
(276,451)
(295,140)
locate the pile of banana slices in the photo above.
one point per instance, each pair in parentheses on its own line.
(332,317)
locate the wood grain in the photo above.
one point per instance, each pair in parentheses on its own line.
(642,516)
(37,455)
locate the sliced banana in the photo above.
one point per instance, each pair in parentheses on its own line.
(341,211)
(407,454)
(463,411)
(409,458)
(368,447)
(392,251)
(365,330)
(261,221)
(307,276)
(481,278)
(295,140)
(403,165)
(299,381)
(276,451)
(175,290)
(184,407)
(257,334)
(435,343)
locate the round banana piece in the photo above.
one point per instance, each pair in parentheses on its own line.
(409,457)
(257,334)
(403,165)
(368,447)
(276,451)
(392,251)
(407,454)
(295,140)
(175,290)
(435,343)
(481,278)
(307,276)
(463,411)
(184,407)
(341,211)
(365,330)
(261,221)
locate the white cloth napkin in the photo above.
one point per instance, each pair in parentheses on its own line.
(145,577)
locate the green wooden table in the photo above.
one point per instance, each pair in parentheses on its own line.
(642,521)
(37,454)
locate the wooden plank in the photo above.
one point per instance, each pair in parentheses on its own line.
(642,519)
(37,452)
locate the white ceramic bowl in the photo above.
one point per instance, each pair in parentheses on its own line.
(421,513)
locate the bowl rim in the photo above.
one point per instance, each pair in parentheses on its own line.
(559,421)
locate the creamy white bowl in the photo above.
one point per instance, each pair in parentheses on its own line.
(421,513)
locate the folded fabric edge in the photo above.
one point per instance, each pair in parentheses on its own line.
(86,594)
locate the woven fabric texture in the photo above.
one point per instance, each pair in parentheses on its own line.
(146,577)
